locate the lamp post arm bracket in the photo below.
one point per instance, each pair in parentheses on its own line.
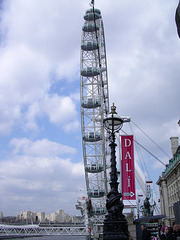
(126,119)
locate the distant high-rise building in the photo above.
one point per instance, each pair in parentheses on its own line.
(1,216)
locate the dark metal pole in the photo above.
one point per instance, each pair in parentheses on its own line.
(177,19)
(115,224)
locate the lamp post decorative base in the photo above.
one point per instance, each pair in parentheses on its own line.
(115,224)
(115,229)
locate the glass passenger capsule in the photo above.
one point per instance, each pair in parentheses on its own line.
(94,168)
(91,103)
(95,10)
(90,16)
(89,46)
(92,137)
(96,193)
(90,27)
(103,69)
(104,82)
(98,211)
(90,72)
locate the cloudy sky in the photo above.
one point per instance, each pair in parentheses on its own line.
(40,135)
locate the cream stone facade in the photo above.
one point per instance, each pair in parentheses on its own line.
(40,216)
(169,184)
(31,217)
(59,217)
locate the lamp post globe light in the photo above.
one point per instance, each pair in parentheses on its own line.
(115,224)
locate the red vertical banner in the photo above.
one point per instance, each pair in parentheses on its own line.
(127,168)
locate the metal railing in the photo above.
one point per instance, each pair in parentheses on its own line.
(35,230)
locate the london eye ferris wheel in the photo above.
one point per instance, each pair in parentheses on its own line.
(94,108)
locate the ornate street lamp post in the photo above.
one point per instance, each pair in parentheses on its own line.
(115,224)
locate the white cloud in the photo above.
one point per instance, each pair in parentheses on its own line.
(60,110)
(24,78)
(42,147)
(33,48)
(29,175)
(24,73)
